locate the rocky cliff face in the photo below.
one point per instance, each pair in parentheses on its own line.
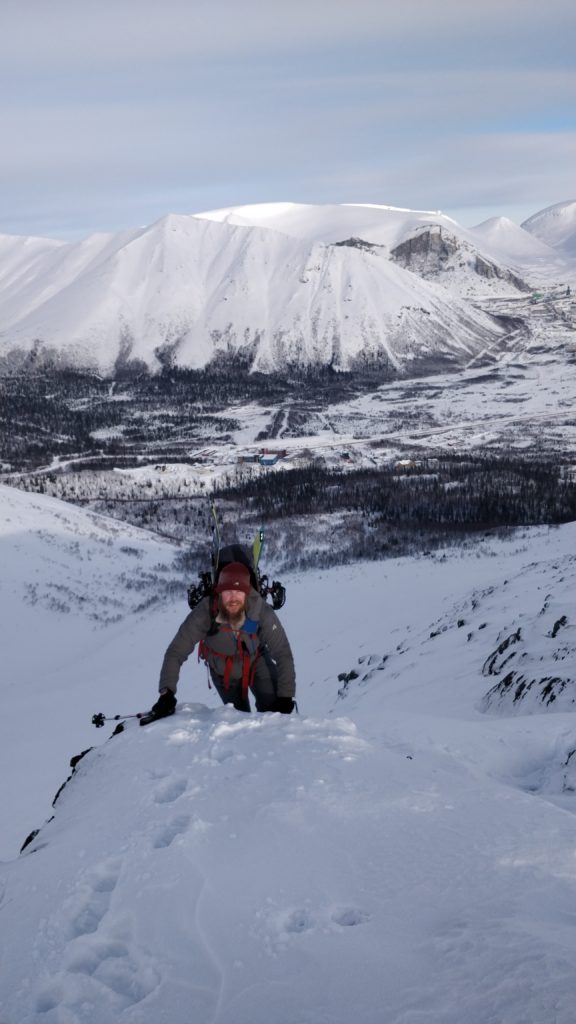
(435,254)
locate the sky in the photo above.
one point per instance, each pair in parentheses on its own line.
(115,113)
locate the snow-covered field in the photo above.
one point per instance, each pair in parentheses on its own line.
(400,852)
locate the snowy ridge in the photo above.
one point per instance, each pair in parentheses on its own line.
(186,289)
(555,226)
(498,239)
(333,855)
(332,222)
(384,856)
(273,282)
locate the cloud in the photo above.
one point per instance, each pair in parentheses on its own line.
(124,31)
(136,108)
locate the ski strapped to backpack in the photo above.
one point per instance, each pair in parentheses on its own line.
(215,553)
(208,580)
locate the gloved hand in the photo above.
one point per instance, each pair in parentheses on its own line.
(285,705)
(165,705)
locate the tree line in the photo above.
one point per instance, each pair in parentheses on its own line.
(461,492)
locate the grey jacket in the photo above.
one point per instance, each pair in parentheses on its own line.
(272,641)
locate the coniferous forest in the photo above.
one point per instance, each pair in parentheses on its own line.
(66,434)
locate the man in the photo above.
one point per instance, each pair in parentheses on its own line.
(243,643)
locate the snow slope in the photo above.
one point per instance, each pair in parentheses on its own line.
(187,289)
(274,281)
(69,581)
(514,243)
(393,854)
(19,256)
(333,222)
(498,240)
(555,226)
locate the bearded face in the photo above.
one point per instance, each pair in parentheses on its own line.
(233,604)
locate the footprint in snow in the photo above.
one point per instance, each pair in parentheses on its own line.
(298,921)
(100,962)
(169,833)
(102,884)
(348,917)
(170,791)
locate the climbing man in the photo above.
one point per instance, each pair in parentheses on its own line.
(240,638)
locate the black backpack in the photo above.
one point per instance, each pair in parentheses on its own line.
(236,553)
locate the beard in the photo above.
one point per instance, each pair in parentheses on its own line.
(234,616)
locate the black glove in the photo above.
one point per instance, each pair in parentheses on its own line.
(165,705)
(285,705)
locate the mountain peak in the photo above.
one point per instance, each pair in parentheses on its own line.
(511,240)
(555,225)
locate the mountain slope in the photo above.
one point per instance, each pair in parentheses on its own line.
(332,222)
(436,254)
(217,868)
(555,226)
(391,229)
(393,853)
(70,583)
(20,256)
(187,289)
(275,284)
(515,243)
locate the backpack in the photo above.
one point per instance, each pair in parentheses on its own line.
(236,553)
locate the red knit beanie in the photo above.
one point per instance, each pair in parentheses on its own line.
(234,577)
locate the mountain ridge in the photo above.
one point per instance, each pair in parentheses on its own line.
(556,226)
(262,282)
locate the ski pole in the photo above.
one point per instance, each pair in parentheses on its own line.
(99,719)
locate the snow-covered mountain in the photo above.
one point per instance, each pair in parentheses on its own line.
(500,234)
(498,242)
(432,252)
(332,222)
(187,289)
(401,850)
(279,284)
(555,226)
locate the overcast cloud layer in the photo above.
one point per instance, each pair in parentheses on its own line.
(115,113)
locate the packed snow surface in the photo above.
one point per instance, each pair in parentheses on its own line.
(394,854)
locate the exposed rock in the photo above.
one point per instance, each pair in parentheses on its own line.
(547,692)
(432,251)
(360,243)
